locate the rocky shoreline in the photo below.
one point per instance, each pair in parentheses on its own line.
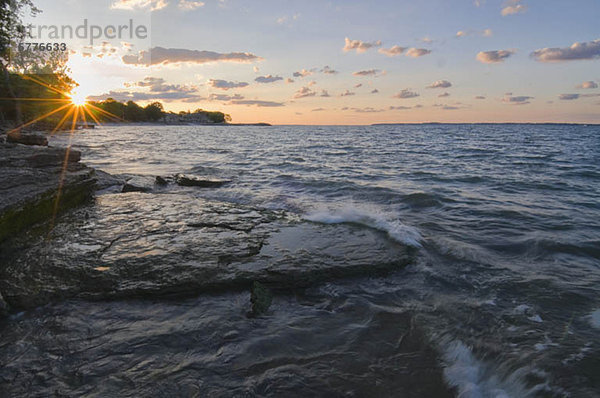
(137,237)
(33,177)
(143,270)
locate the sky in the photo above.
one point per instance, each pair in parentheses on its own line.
(343,62)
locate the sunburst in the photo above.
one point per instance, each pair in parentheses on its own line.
(77,98)
(75,107)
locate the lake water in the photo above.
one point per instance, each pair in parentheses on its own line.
(502,298)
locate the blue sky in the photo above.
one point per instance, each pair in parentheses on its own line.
(506,84)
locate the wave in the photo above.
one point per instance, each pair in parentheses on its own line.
(423,199)
(594,319)
(371,218)
(476,379)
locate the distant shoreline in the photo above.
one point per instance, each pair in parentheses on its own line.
(490,123)
(181,124)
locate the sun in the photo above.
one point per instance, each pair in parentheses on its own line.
(77,99)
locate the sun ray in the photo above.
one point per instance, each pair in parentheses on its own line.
(85,109)
(62,121)
(105,112)
(44,84)
(83,118)
(37,99)
(38,118)
(61,180)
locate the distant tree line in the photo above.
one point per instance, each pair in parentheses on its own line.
(128,111)
(36,84)
(153,112)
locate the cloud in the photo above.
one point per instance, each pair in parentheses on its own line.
(494,57)
(568,97)
(367,110)
(288,80)
(125,96)
(406,93)
(440,84)
(400,108)
(303,73)
(189,5)
(417,52)
(443,95)
(359,46)
(518,100)
(327,70)
(258,103)
(587,85)
(324,93)
(347,93)
(427,40)
(449,107)
(255,69)
(479,97)
(304,92)
(577,51)
(153,5)
(282,20)
(268,79)
(164,56)
(375,91)
(513,7)
(369,72)
(392,51)
(224,97)
(225,85)
(485,33)
(158,85)
(318,110)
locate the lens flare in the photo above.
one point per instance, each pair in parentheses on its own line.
(77,99)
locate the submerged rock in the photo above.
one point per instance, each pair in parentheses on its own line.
(108,182)
(33,178)
(261,298)
(194,181)
(160,181)
(3,306)
(27,138)
(145,245)
(138,184)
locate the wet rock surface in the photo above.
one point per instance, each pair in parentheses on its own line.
(32,177)
(3,306)
(150,245)
(138,184)
(107,183)
(317,345)
(194,181)
(27,138)
(261,299)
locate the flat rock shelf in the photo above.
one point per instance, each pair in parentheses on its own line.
(154,245)
(32,178)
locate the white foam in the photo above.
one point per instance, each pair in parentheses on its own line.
(521,309)
(371,218)
(594,319)
(475,379)
(525,309)
(535,318)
